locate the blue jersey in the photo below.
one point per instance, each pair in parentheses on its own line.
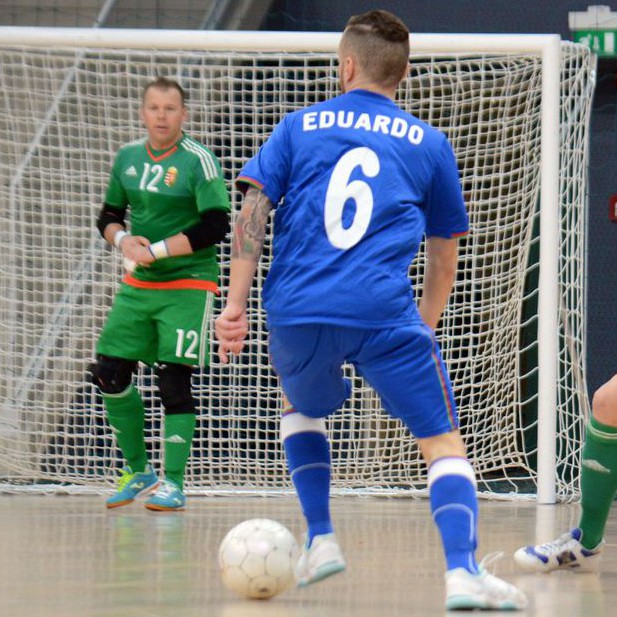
(357,183)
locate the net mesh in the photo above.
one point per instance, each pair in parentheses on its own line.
(64,114)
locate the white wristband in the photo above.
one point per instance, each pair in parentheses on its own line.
(159,249)
(118,236)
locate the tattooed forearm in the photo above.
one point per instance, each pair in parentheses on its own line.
(250,230)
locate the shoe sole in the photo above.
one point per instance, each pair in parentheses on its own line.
(547,570)
(157,508)
(590,566)
(469,603)
(324,571)
(126,502)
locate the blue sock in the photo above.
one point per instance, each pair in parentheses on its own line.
(308,461)
(454,506)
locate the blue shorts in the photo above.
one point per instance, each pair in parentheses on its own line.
(403,365)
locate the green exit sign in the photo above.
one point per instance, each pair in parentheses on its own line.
(596,28)
(602,42)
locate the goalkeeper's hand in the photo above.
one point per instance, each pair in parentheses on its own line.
(135,252)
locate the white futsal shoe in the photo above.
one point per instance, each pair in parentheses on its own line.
(483,591)
(564,553)
(321,559)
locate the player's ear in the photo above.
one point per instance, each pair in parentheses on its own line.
(349,68)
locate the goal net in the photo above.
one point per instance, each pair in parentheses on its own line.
(67,107)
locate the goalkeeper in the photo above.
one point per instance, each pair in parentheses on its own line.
(179,211)
(363,183)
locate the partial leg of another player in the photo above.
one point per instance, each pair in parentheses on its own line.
(579,549)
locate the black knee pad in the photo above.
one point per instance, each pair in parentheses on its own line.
(112,375)
(174,382)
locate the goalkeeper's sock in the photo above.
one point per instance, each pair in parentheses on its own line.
(179,431)
(454,505)
(125,414)
(598,481)
(308,461)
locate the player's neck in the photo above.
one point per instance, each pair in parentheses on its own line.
(371,87)
(159,145)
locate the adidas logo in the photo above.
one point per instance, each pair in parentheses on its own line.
(131,171)
(595,465)
(175,439)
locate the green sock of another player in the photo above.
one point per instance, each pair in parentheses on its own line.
(598,480)
(179,430)
(125,413)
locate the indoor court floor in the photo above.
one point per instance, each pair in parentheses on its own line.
(67,556)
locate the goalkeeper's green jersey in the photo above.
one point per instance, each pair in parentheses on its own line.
(166,192)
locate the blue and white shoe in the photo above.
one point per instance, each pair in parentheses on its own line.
(481,591)
(131,485)
(166,498)
(321,559)
(564,553)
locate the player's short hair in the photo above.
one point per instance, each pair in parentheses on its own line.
(165,83)
(380,42)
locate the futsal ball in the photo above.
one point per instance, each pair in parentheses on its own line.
(257,558)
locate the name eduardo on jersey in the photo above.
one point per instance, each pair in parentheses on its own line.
(379,123)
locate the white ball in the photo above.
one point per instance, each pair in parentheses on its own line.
(257,558)
(129,264)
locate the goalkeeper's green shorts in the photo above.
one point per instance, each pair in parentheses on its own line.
(159,325)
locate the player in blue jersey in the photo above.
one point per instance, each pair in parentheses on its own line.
(357,184)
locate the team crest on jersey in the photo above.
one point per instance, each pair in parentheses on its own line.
(171,176)
(131,171)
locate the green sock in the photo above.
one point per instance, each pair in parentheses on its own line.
(598,480)
(125,414)
(179,430)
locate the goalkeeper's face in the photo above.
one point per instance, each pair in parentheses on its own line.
(163,115)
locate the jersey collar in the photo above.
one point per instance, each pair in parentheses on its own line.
(159,155)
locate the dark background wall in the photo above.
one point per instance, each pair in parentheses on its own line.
(531,16)
(522,16)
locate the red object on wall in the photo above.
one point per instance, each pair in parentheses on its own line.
(612,208)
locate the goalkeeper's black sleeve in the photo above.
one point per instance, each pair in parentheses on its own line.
(213,226)
(109,215)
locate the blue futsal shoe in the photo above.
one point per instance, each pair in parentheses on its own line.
(167,497)
(132,484)
(564,553)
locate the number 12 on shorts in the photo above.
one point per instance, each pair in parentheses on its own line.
(186,343)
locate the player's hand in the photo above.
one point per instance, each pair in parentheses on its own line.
(135,249)
(231,328)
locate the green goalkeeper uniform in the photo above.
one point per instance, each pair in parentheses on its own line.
(162,311)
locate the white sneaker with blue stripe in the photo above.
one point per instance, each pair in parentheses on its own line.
(564,553)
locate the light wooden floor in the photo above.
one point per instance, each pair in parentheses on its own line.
(67,556)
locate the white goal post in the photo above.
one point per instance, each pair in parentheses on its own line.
(516,109)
